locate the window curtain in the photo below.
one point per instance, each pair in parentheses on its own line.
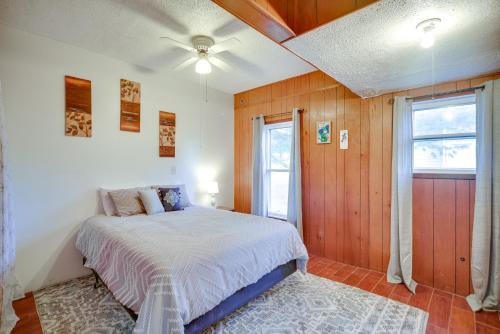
(400,263)
(485,259)
(259,201)
(294,214)
(9,289)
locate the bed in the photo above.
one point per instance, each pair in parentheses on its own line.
(182,271)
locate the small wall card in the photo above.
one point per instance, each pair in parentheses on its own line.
(323,132)
(344,139)
(167,134)
(130,106)
(78,108)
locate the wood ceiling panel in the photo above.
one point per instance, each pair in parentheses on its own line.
(259,17)
(281,20)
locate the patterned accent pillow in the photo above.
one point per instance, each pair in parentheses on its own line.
(171,199)
(107,201)
(182,187)
(127,202)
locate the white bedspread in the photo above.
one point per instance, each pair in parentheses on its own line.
(173,267)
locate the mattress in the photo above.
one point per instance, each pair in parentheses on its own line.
(173,267)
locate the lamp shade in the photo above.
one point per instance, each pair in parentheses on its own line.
(213,187)
(203,66)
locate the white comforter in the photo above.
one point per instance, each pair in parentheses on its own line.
(173,267)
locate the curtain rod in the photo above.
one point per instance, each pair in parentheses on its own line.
(278,114)
(457,91)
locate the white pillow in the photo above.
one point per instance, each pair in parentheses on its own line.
(182,189)
(151,201)
(107,202)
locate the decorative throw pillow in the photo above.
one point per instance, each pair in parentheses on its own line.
(171,199)
(151,201)
(182,188)
(107,202)
(127,202)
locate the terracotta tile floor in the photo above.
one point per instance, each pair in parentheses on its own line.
(28,317)
(447,313)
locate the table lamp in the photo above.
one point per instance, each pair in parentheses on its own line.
(213,188)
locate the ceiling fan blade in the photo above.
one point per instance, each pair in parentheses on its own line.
(166,56)
(179,44)
(224,45)
(219,63)
(230,28)
(240,63)
(185,64)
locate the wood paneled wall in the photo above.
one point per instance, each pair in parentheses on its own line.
(443,212)
(347,193)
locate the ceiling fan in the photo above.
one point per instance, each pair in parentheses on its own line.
(204,50)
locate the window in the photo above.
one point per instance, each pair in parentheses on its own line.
(278,147)
(444,135)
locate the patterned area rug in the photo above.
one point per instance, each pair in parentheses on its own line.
(76,307)
(299,304)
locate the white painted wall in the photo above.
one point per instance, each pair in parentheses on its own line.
(55,177)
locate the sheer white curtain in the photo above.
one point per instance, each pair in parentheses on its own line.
(400,263)
(9,289)
(294,214)
(259,200)
(485,259)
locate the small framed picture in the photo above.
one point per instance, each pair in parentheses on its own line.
(344,139)
(323,132)
(167,134)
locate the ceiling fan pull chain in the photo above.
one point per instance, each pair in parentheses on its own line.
(200,114)
(432,65)
(206,90)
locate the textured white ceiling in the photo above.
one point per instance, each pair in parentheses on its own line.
(130,30)
(376,50)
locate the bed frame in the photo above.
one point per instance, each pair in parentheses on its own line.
(233,302)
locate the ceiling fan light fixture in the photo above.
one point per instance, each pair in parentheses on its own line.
(203,66)
(427,29)
(427,41)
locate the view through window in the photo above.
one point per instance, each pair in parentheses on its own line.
(278,140)
(444,135)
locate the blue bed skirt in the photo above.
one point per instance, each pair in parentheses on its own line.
(240,298)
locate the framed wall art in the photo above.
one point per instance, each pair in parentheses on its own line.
(323,132)
(167,134)
(78,107)
(130,106)
(344,139)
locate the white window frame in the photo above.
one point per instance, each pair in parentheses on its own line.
(441,103)
(269,170)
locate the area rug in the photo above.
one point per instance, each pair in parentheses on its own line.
(299,304)
(76,307)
